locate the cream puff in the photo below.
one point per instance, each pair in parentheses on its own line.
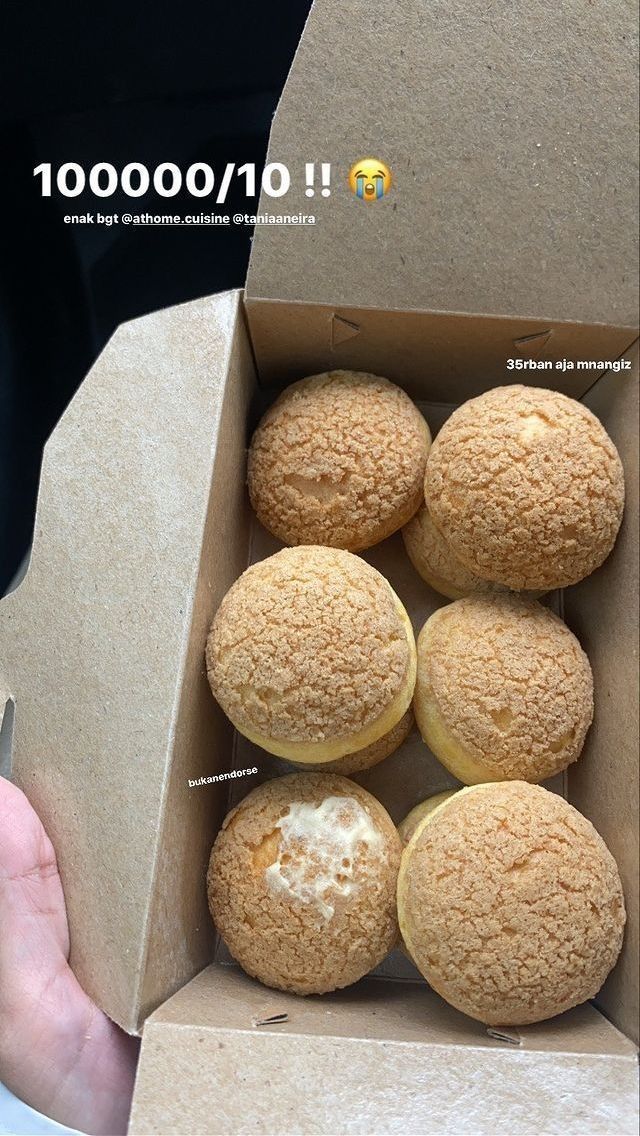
(302,883)
(408,826)
(371,755)
(510,904)
(434,560)
(311,655)
(526,487)
(504,690)
(339,460)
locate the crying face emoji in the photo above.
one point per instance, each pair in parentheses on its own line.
(370,179)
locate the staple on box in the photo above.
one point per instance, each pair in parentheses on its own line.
(508,1037)
(270,1020)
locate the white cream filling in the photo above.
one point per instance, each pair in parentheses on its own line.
(318,849)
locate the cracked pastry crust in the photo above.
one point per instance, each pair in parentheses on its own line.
(504,690)
(339,460)
(510,904)
(527,488)
(371,755)
(408,826)
(434,560)
(302,882)
(311,654)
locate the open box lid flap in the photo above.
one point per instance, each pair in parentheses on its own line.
(513,146)
(93,641)
(215,1058)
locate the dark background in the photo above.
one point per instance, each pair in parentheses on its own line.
(123,82)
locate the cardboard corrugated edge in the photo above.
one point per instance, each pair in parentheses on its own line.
(603,611)
(513,148)
(94,639)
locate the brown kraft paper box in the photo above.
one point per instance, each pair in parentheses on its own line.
(507,234)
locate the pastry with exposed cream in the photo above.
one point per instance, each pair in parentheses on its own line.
(302,882)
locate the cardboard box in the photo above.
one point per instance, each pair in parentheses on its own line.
(143,524)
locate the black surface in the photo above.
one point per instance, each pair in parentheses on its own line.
(114,83)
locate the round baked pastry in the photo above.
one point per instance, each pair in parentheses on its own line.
(510,904)
(311,654)
(504,690)
(526,487)
(302,882)
(434,560)
(408,826)
(369,756)
(339,459)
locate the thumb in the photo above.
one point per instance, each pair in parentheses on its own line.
(58,1052)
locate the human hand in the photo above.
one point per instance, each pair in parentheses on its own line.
(58,1052)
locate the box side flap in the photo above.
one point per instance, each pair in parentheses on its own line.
(603,611)
(6,683)
(223,997)
(378,1057)
(512,144)
(181,936)
(93,640)
(229,1082)
(433,356)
